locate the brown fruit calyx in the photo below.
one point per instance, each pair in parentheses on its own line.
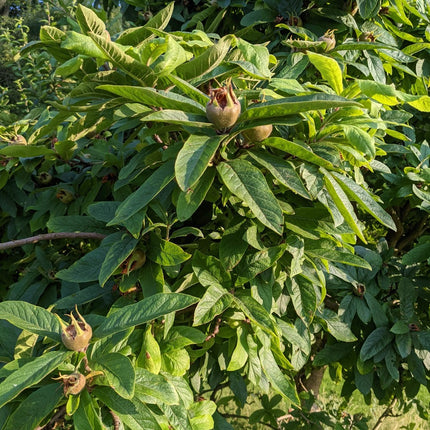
(135,261)
(73,383)
(257,134)
(77,335)
(329,40)
(18,139)
(223,109)
(367,36)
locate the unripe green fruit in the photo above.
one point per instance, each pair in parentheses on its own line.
(135,261)
(44,178)
(223,109)
(257,134)
(77,335)
(65,196)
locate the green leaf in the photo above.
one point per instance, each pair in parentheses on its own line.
(135,35)
(257,56)
(304,298)
(404,344)
(249,184)
(417,254)
(279,381)
(34,408)
(292,105)
(138,71)
(69,67)
(157,386)
(75,223)
(189,90)
(30,317)
(159,98)
(360,140)
(240,353)
(338,257)
(206,62)
(190,200)
(336,327)
(87,268)
(215,300)
(209,271)
(166,253)
(146,310)
(422,104)
(256,313)
(175,361)
(25,151)
(343,204)
(364,200)
(368,8)
(375,342)
(82,44)
(150,356)
(147,192)
(30,374)
(329,69)
(385,94)
(282,170)
(89,21)
(118,371)
(193,159)
(180,117)
(253,264)
(87,415)
(133,413)
(232,247)
(116,255)
(297,150)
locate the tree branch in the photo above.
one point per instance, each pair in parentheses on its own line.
(243,417)
(385,414)
(50,236)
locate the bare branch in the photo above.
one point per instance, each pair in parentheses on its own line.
(50,236)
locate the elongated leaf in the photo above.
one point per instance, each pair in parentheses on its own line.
(89,21)
(375,342)
(292,105)
(82,44)
(304,298)
(116,255)
(194,158)
(30,374)
(146,310)
(138,71)
(209,270)
(87,415)
(135,35)
(157,386)
(256,313)
(364,200)
(339,257)
(368,8)
(343,204)
(240,353)
(190,90)
(133,413)
(214,301)
(253,264)
(76,223)
(248,183)
(279,381)
(282,170)
(30,317)
(25,151)
(232,247)
(190,200)
(118,371)
(360,140)
(205,62)
(166,253)
(34,408)
(158,98)
(171,116)
(329,69)
(299,151)
(148,191)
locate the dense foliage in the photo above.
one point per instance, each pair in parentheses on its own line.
(206,258)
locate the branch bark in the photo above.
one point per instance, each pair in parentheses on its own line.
(50,236)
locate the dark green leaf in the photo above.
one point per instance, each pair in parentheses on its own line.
(375,342)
